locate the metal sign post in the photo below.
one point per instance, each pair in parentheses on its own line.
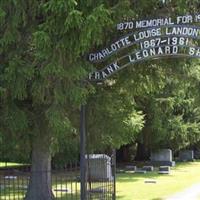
(82,152)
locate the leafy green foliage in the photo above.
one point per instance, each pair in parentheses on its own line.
(112,119)
(172,112)
(43,48)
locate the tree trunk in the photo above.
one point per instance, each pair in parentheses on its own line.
(142,152)
(145,141)
(40,181)
(144,144)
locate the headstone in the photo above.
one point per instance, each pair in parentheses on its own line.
(97,190)
(164,170)
(197,154)
(131,167)
(96,193)
(99,167)
(162,157)
(141,171)
(120,171)
(148,168)
(150,181)
(186,155)
(62,190)
(22,187)
(10,177)
(2,187)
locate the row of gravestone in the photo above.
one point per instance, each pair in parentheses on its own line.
(99,165)
(165,157)
(99,168)
(148,168)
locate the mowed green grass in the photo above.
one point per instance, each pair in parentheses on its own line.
(9,164)
(132,186)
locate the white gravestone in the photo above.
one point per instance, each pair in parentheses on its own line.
(99,167)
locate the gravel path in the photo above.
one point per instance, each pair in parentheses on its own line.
(192,193)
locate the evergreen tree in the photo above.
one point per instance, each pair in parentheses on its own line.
(42,47)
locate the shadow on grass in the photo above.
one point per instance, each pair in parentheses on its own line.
(16,195)
(77,197)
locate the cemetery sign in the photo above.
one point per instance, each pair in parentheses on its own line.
(151,39)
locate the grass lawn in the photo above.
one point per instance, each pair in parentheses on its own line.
(9,164)
(132,186)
